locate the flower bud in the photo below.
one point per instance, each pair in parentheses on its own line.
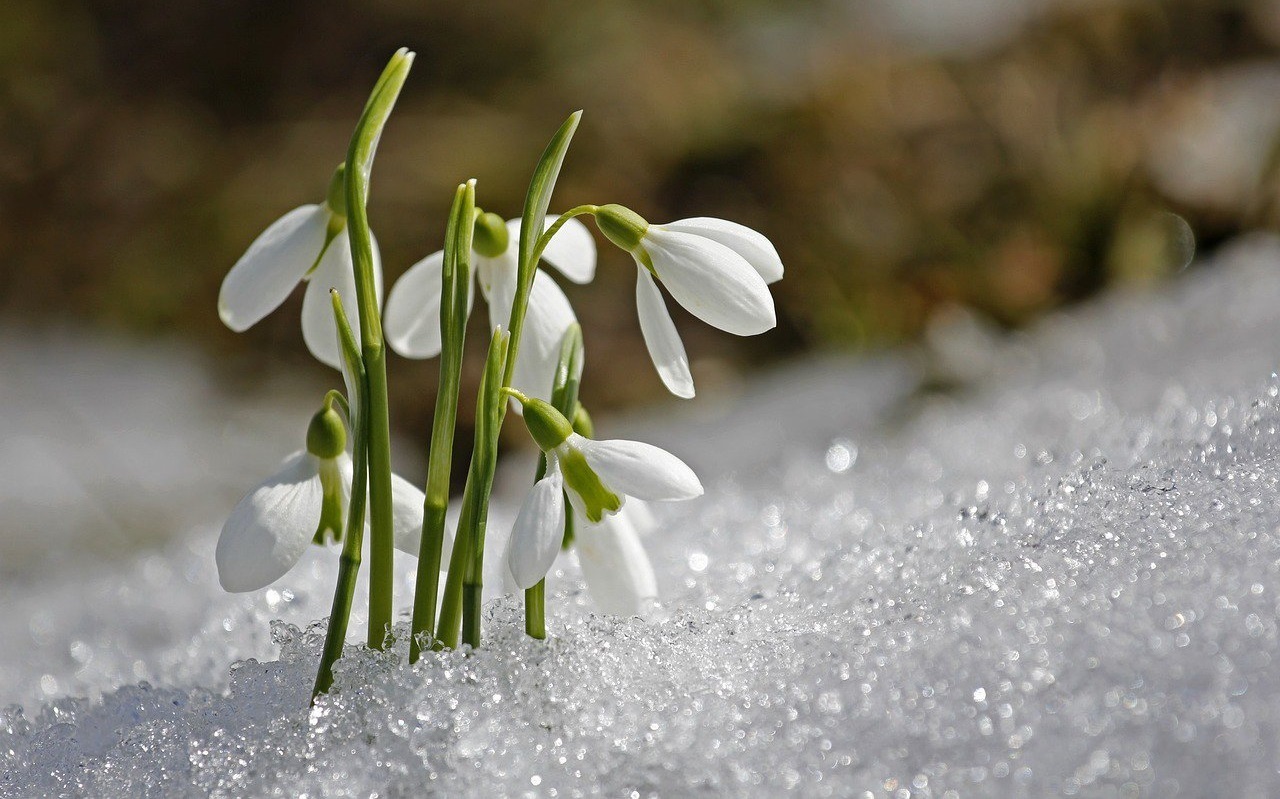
(491,236)
(327,435)
(621,225)
(548,426)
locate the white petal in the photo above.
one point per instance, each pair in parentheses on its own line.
(275,263)
(539,530)
(406,515)
(661,337)
(548,317)
(412,319)
(614,564)
(271,527)
(640,516)
(638,469)
(750,244)
(497,279)
(508,579)
(335,271)
(572,250)
(711,281)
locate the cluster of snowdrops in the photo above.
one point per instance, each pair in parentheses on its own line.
(340,485)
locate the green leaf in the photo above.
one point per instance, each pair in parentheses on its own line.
(543,183)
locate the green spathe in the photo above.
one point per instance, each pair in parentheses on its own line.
(621,225)
(491,236)
(326,435)
(547,425)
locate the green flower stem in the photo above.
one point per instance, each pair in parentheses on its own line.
(360,155)
(535,610)
(492,405)
(467,562)
(353,539)
(533,220)
(455,285)
(564,396)
(551,231)
(464,582)
(449,625)
(334,397)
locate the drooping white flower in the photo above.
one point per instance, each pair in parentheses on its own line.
(614,564)
(304,501)
(412,318)
(598,476)
(539,530)
(718,270)
(307,244)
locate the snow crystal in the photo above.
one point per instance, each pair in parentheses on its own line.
(1060,579)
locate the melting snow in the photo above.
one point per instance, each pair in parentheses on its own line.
(1061,580)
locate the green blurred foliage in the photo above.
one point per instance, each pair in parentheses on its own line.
(1002,165)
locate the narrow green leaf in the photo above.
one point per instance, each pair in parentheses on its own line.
(455,281)
(543,183)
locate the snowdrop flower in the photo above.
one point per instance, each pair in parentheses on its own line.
(307,244)
(718,270)
(598,476)
(614,564)
(305,501)
(412,319)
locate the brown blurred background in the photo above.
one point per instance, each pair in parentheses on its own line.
(907,157)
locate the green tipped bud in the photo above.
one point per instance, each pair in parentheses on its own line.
(622,226)
(327,435)
(332,504)
(597,500)
(491,237)
(336,197)
(548,426)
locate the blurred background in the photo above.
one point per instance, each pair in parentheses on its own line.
(925,167)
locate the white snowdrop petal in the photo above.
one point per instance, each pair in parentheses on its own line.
(497,279)
(615,566)
(750,244)
(538,531)
(406,515)
(319,330)
(548,316)
(412,319)
(572,251)
(335,271)
(271,527)
(508,579)
(640,515)
(274,263)
(639,470)
(711,281)
(661,337)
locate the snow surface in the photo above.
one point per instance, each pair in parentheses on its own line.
(1059,580)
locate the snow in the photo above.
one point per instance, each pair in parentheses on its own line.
(1060,579)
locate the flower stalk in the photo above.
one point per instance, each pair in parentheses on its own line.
(359,163)
(464,583)
(353,538)
(455,287)
(564,397)
(461,607)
